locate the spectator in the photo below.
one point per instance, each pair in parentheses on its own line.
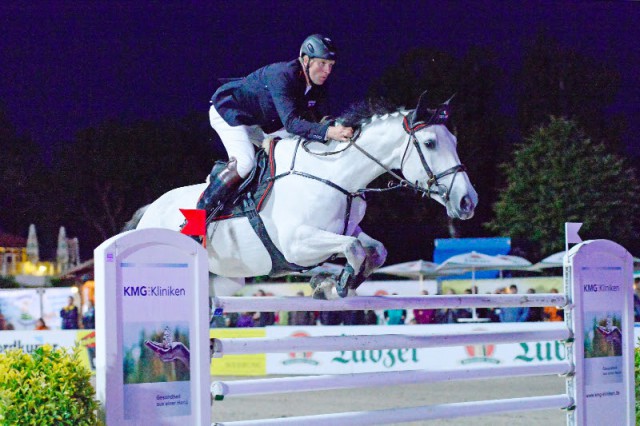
(69,315)
(515,314)
(263,318)
(3,322)
(535,312)
(9,326)
(301,317)
(370,317)
(353,317)
(89,317)
(40,325)
(395,316)
(447,315)
(552,313)
(245,320)
(231,319)
(425,316)
(331,317)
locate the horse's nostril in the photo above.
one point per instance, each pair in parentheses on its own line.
(466,205)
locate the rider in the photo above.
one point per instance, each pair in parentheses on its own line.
(283,94)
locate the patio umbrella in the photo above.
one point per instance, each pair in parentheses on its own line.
(517,263)
(414,269)
(553,261)
(474,261)
(62,252)
(33,251)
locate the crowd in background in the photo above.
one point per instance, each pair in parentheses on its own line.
(394,316)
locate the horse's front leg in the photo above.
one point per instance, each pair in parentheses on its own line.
(376,254)
(308,244)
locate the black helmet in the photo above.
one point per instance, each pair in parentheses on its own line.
(318,46)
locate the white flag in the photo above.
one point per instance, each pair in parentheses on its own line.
(571,232)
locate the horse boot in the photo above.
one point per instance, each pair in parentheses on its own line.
(222,185)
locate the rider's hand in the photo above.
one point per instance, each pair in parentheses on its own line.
(339,133)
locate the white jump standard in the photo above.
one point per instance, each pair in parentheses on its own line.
(152,293)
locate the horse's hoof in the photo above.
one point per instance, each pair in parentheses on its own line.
(322,284)
(342,286)
(319,294)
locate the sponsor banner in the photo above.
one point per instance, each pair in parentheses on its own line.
(29,341)
(238,365)
(86,339)
(347,362)
(20,308)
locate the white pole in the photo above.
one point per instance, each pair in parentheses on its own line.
(238,388)
(273,304)
(410,414)
(386,341)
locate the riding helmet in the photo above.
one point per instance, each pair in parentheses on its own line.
(318,46)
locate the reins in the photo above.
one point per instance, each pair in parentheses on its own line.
(432,181)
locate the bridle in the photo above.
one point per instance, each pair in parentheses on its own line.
(432,181)
(433,185)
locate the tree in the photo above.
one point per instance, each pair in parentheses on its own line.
(481,131)
(21,166)
(561,82)
(559,175)
(110,171)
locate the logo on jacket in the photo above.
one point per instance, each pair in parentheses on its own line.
(311,103)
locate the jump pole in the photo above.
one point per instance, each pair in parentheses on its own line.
(599,295)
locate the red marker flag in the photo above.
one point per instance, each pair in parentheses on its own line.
(195,221)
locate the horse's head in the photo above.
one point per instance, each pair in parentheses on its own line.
(431,162)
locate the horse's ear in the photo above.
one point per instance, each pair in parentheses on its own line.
(441,115)
(421,113)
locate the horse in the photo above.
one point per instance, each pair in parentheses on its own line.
(317,200)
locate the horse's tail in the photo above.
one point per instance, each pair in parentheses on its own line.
(135,219)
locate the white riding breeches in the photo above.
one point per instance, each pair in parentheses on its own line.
(238,141)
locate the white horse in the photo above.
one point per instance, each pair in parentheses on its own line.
(316,204)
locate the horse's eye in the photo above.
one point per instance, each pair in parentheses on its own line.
(430,143)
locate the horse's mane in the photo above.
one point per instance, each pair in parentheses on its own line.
(361,113)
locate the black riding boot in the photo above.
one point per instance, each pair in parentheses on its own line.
(222,184)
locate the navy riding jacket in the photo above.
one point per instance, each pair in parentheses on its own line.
(274,97)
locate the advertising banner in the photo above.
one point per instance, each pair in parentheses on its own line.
(20,308)
(239,365)
(434,359)
(29,341)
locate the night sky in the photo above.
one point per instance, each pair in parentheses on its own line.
(68,65)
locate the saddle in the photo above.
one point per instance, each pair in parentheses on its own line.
(249,200)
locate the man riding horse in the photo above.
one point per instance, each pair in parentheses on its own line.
(284,94)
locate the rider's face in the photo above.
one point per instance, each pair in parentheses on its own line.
(319,70)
